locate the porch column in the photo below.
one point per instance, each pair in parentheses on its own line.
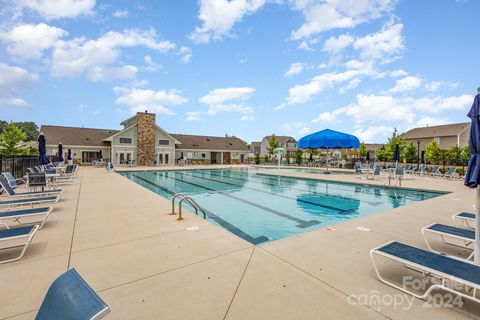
(221,157)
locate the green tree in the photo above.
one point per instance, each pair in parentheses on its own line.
(363,150)
(257,159)
(455,155)
(9,139)
(465,155)
(272,144)
(3,124)
(386,153)
(410,153)
(298,156)
(30,128)
(382,153)
(443,157)
(432,153)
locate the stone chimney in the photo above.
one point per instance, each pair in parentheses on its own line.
(145,138)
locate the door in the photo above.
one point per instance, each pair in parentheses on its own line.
(160,158)
(242,158)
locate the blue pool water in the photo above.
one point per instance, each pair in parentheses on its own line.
(307,170)
(261,208)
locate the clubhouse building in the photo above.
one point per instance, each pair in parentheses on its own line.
(143,143)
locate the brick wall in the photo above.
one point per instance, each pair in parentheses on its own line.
(145,138)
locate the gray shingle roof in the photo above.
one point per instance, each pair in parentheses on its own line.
(447,130)
(210,143)
(76,136)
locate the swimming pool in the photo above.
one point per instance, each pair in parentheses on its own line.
(260,208)
(308,170)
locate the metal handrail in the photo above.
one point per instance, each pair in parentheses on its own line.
(190,201)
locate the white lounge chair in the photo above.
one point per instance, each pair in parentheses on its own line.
(454,236)
(12,237)
(435,171)
(465,219)
(11,180)
(12,202)
(452,173)
(17,215)
(460,277)
(8,190)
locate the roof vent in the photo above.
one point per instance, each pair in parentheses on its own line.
(208,139)
(88,139)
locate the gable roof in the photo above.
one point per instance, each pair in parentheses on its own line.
(281,139)
(110,138)
(195,142)
(447,130)
(74,136)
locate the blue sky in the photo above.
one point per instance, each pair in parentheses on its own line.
(243,67)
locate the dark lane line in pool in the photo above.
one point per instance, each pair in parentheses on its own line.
(341,211)
(227,225)
(298,189)
(301,223)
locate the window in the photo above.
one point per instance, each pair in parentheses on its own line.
(204,155)
(437,140)
(125,140)
(163,142)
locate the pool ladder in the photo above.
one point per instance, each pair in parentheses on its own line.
(192,202)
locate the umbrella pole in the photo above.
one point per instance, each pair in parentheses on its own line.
(477,225)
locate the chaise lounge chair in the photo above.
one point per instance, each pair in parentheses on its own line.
(71,298)
(452,173)
(16,215)
(6,187)
(435,171)
(466,219)
(12,202)
(464,238)
(446,273)
(11,180)
(15,234)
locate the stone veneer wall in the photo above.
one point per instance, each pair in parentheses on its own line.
(145,138)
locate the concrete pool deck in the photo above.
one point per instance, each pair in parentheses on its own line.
(146,265)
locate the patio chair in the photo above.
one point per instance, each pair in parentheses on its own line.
(435,171)
(464,238)
(465,219)
(71,298)
(11,180)
(357,169)
(6,187)
(452,173)
(421,170)
(16,215)
(13,236)
(460,277)
(400,174)
(11,202)
(377,170)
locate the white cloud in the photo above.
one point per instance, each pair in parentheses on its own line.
(11,80)
(219,16)
(326,117)
(386,45)
(300,94)
(435,85)
(335,45)
(304,131)
(398,73)
(374,134)
(56,9)
(409,83)
(127,72)
(295,68)
(121,13)
(325,15)
(16,102)
(151,65)
(247,118)
(430,121)
(352,84)
(440,104)
(81,56)
(144,99)
(185,53)
(193,116)
(29,41)
(228,100)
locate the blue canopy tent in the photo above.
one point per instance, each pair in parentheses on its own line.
(329,139)
(60,152)
(472,177)
(42,150)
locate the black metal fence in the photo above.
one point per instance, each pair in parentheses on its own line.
(17,164)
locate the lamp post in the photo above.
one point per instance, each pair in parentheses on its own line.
(418,154)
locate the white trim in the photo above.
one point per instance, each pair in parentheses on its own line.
(66,146)
(210,150)
(119,132)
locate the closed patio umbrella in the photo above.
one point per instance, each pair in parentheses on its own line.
(69,154)
(100,155)
(367,158)
(396,154)
(42,150)
(422,157)
(60,152)
(472,176)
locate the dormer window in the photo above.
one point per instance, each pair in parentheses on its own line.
(125,140)
(163,142)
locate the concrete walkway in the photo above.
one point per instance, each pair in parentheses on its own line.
(146,265)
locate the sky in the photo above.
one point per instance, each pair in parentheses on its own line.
(247,68)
